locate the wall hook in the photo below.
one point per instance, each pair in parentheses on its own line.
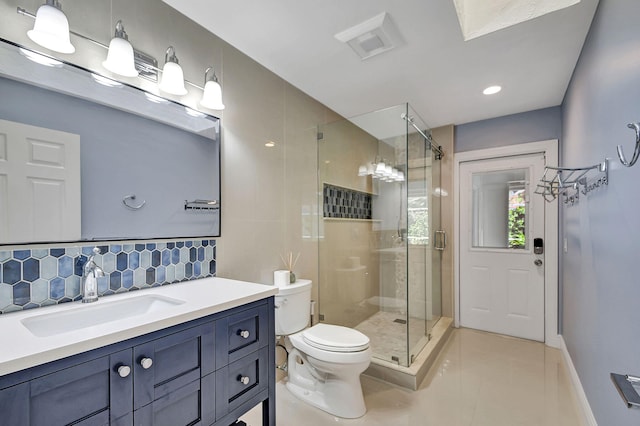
(130,206)
(636,152)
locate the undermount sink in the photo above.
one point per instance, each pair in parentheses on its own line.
(97,313)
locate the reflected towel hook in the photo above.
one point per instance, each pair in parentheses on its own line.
(636,152)
(132,207)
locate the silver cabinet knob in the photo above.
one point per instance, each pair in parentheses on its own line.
(123,371)
(244,334)
(537,262)
(146,363)
(244,380)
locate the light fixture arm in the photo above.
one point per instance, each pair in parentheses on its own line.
(54,3)
(214,77)
(120,32)
(170,55)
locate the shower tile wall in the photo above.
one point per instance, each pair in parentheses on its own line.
(35,277)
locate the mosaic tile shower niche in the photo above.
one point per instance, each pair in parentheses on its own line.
(35,277)
(346,203)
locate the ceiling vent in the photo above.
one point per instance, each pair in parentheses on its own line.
(371,37)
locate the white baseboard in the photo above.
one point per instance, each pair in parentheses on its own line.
(583,404)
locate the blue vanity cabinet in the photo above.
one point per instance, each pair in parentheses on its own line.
(88,393)
(209,371)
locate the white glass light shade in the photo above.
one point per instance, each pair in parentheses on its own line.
(388,171)
(370,168)
(362,171)
(120,58)
(212,96)
(400,176)
(380,170)
(172,79)
(51,30)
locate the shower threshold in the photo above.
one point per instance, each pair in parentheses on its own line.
(410,377)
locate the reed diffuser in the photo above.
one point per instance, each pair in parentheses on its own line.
(290,263)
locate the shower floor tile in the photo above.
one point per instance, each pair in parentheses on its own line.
(388,334)
(478,379)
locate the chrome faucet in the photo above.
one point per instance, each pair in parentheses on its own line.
(92,272)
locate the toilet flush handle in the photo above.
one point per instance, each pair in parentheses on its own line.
(284,301)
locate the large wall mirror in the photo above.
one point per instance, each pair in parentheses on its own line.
(86,158)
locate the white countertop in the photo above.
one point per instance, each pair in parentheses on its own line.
(21,349)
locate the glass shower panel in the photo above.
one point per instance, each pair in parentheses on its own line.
(376,184)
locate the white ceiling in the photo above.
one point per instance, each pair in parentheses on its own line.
(435,70)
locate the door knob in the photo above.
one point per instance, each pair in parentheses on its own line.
(124,370)
(146,363)
(537,262)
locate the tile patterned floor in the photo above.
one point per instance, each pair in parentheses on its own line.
(480,379)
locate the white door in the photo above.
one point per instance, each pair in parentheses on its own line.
(39,184)
(501,276)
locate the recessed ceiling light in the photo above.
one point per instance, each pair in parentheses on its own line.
(492,90)
(270,144)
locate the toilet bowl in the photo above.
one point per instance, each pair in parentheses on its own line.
(325,361)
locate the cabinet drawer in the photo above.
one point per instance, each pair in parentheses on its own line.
(246,331)
(240,381)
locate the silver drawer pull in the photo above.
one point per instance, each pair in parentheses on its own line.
(244,380)
(123,371)
(243,333)
(146,363)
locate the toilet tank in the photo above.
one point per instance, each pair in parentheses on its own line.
(293,307)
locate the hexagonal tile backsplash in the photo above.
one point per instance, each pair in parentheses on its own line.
(31,278)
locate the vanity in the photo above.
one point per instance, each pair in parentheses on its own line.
(200,352)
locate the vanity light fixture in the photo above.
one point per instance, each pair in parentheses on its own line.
(172,80)
(120,58)
(212,92)
(492,90)
(51,29)
(39,58)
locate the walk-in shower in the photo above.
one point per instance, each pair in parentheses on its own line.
(380,239)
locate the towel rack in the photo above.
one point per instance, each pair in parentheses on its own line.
(570,182)
(201,205)
(625,386)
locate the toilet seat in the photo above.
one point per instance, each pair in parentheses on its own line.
(335,338)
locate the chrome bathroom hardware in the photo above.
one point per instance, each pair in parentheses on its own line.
(625,386)
(91,273)
(571,182)
(440,243)
(130,206)
(437,149)
(636,151)
(201,205)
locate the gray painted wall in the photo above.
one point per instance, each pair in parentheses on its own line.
(533,126)
(599,273)
(124,154)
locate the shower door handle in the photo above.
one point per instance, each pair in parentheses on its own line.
(440,243)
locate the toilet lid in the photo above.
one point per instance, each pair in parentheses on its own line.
(335,338)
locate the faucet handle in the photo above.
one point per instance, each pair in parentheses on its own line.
(96,250)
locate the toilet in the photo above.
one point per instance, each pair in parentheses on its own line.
(325,361)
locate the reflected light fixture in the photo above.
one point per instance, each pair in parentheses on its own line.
(194,113)
(212,95)
(105,81)
(39,58)
(51,29)
(120,57)
(155,99)
(492,90)
(270,144)
(172,81)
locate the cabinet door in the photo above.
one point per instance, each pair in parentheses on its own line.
(14,405)
(68,396)
(169,363)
